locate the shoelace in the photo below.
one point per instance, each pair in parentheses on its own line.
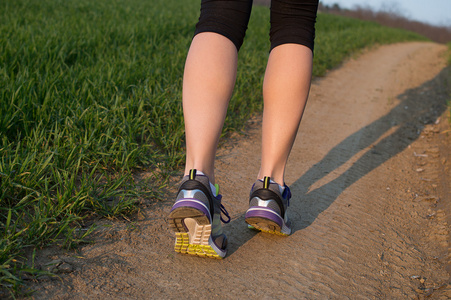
(287,194)
(224,211)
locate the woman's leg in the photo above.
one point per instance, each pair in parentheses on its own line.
(208,82)
(285,91)
(287,81)
(209,78)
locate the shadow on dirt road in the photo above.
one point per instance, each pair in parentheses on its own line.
(386,137)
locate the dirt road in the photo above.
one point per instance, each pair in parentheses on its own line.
(370,175)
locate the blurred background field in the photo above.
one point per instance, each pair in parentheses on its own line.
(91,96)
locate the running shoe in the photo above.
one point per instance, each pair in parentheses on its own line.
(268,204)
(196,218)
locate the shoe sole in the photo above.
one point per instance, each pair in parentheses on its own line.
(192,229)
(264,221)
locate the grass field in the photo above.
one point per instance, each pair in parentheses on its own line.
(90,95)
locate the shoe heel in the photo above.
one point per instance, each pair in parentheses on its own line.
(264,225)
(192,232)
(267,221)
(177,216)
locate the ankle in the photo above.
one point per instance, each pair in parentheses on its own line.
(279,180)
(202,171)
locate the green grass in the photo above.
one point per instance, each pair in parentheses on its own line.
(90,95)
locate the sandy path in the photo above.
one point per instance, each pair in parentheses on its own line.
(370,177)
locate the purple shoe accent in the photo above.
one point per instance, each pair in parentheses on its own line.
(192,203)
(256,211)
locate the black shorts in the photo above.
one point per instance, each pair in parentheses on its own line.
(292,21)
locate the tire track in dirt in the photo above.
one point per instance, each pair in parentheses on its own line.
(366,222)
